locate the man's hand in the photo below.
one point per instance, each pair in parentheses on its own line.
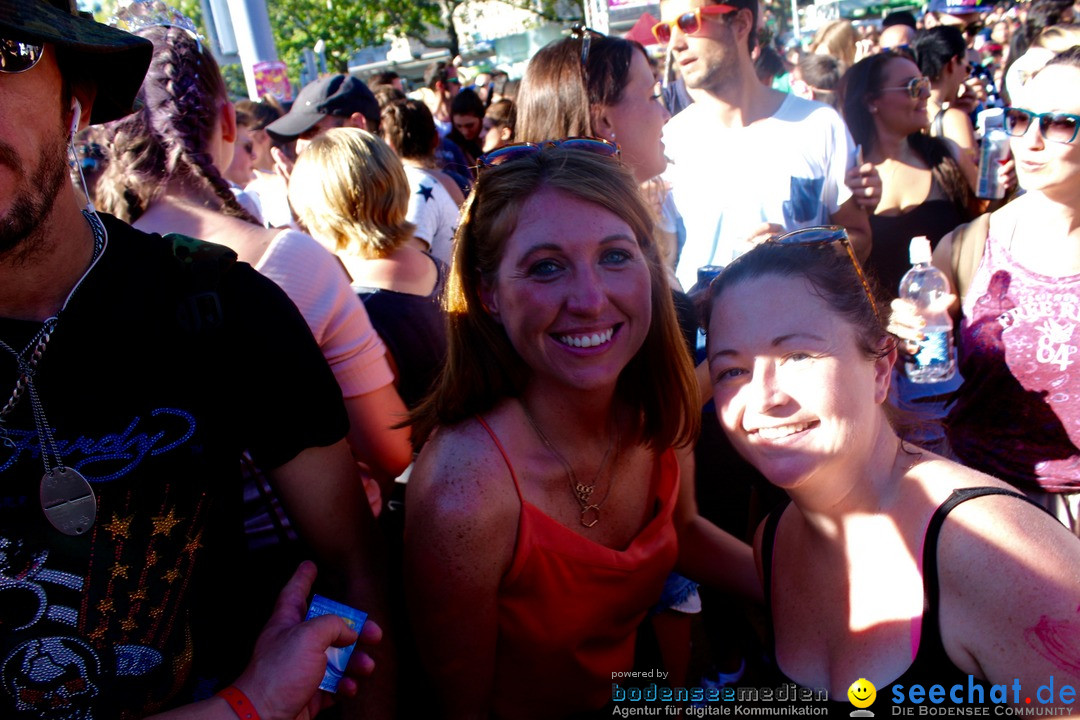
(289,660)
(282,164)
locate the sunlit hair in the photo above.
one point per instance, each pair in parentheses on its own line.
(482,365)
(831,276)
(169,138)
(349,189)
(1070,57)
(836,38)
(554,102)
(859,87)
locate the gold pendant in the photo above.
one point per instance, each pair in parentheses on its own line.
(583,492)
(590,515)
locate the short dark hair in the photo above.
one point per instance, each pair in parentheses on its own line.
(261,113)
(934,48)
(437,72)
(467,102)
(409,128)
(900,17)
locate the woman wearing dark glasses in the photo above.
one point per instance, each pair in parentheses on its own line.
(890,564)
(927,183)
(941,53)
(1018,276)
(544,509)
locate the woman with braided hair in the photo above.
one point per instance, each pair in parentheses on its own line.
(164,177)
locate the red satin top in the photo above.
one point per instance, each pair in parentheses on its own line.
(569,608)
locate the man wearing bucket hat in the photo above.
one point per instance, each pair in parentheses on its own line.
(130,381)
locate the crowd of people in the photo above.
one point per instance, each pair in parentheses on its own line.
(566,381)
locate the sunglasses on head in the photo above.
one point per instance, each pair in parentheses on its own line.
(17,57)
(597,146)
(822,235)
(915,87)
(689,23)
(1056,127)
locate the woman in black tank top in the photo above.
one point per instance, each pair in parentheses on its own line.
(891,567)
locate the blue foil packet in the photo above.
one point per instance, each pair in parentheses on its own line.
(336,658)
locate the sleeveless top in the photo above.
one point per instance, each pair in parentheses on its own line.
(413,327)
(934,217)
(569,608)
(1017,416)
(930,663)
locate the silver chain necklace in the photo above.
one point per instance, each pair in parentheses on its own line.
(66,497)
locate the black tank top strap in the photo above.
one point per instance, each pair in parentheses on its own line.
(768,543)
(931,637)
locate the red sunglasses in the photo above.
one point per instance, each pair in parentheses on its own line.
(689,23)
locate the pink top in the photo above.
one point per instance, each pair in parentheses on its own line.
(569,608)
(1017,415)
(315,280)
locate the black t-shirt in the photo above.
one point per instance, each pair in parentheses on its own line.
(155,416)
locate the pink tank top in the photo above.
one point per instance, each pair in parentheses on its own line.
(569,608)
(1018,413)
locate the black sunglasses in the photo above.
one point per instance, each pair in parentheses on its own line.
(585,35)
(827,235)
(17,57)
(1056,127)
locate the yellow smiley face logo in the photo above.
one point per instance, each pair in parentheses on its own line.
(862,693)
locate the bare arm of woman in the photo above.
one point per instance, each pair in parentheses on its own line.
(459,539)
(957,127)
(374,439)
(1010,597)
(966,161)
(708,554)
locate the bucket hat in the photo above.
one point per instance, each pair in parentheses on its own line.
(115,60)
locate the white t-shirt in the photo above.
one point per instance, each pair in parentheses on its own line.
(432,211)
(786,169)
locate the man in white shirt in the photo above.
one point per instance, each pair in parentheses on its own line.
(748,161)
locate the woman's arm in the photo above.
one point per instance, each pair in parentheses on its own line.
(708,554)
(460,528)
(1010,600)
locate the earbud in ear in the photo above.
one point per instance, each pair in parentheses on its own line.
(76,115)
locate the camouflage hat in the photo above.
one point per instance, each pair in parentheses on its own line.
(115,60)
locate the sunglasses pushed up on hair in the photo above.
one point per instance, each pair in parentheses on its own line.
(596,146)
(689,22)
(17,56)
(822,235)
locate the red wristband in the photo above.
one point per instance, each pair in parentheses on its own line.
(239,703)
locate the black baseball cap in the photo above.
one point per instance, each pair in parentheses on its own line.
(115,60)
(339,95)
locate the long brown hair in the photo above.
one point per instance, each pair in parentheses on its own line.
(482,366)
(557,94)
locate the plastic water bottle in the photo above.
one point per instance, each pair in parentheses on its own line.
(924,285)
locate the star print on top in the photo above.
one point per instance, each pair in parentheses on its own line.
(432,211)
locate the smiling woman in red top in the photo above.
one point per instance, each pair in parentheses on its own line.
(543,512)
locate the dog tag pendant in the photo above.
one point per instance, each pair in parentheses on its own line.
(68,501)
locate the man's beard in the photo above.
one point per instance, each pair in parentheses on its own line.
(23,224)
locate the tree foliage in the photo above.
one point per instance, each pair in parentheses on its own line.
(347,25)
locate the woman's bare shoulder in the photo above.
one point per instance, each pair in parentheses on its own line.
(461,469)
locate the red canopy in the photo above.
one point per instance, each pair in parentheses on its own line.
(642,30)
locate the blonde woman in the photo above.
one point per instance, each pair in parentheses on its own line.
(351,192)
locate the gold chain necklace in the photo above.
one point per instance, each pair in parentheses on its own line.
(590,511)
